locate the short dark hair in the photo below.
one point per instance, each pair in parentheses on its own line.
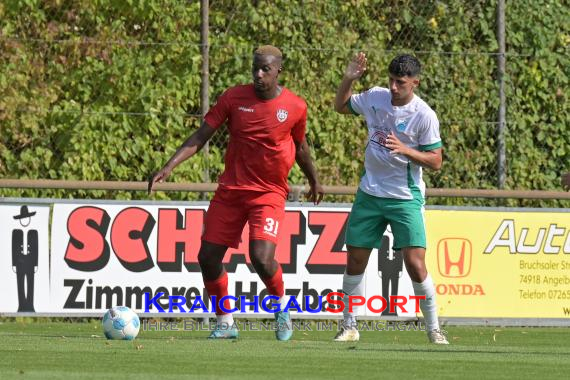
(405,65)
(268,50)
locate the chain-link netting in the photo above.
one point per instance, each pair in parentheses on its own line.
(107,90)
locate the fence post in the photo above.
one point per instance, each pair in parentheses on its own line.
(501,126)
(204,88)
(205,80)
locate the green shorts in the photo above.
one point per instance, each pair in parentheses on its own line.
(371,215)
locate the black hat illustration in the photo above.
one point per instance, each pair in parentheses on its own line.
(24,213)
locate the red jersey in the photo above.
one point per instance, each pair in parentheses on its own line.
(261,148)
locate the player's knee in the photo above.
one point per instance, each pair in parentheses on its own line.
(417,271)
(205,260)
(357,263)
(264,266)
(261,266)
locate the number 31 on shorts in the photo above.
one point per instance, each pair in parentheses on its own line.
(271,226)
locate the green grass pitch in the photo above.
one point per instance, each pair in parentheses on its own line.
(40,349)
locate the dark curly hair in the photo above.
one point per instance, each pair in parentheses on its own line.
(405,65)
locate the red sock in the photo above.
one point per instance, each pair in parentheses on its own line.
(274,284)
(219,288)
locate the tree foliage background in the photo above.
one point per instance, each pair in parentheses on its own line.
(107,90)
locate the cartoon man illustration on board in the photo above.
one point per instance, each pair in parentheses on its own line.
(25,259)
(390,266)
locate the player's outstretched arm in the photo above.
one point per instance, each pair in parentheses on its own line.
(305,162)
(192,145)
(355,69)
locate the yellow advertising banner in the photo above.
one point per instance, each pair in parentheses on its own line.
(493,264)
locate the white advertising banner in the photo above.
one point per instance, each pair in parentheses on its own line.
(111,254)
(91,256)
(24,266)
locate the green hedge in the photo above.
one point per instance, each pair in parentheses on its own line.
(78,80)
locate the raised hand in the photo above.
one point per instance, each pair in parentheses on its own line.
(356,67)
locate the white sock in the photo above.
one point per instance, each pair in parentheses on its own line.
(224,321)
(281,303)
(428,306)
(351,286)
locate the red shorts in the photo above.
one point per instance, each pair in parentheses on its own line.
(230,209)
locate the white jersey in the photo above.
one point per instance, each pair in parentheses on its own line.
(415,124)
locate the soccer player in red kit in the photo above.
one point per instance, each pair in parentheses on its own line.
(266,123)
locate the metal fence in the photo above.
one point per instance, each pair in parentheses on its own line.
(67,28)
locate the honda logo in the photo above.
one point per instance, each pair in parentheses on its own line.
(454,257)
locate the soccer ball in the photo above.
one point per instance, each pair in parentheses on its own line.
(120,322)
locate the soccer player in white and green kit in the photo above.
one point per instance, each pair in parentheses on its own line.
(403,138)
